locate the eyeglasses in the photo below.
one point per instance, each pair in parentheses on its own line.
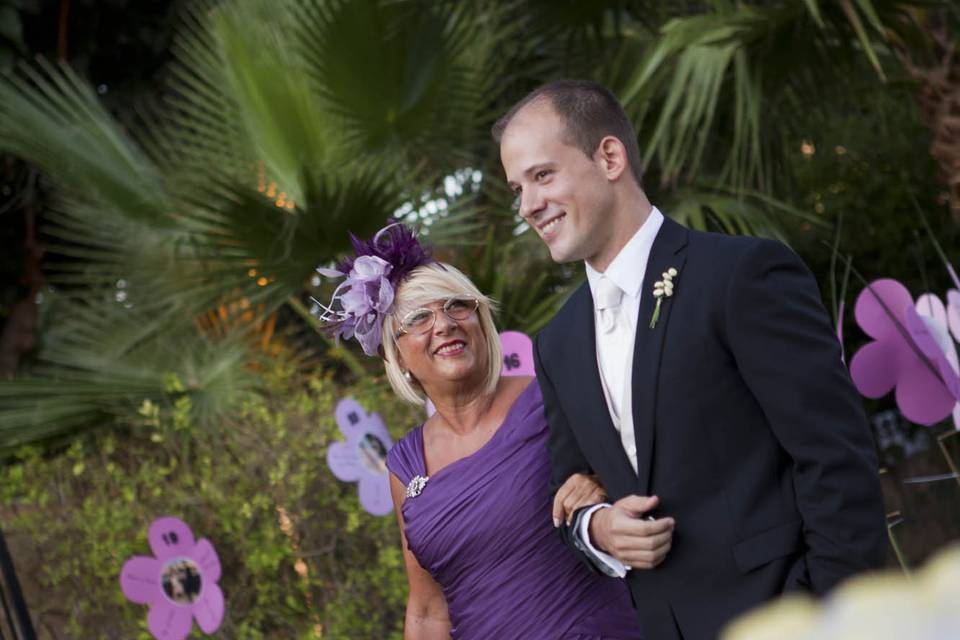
(421,321)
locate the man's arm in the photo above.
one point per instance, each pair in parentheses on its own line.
(613,538)
(789,357)
(566,458)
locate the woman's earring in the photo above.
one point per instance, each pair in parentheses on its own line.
(409,378)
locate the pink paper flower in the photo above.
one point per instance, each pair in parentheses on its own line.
(902,356)
(179,583)
(517,354)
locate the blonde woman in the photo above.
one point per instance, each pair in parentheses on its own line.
(472,485)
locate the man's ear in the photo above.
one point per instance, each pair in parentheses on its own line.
(612,156)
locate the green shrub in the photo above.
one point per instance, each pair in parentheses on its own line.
(301,559)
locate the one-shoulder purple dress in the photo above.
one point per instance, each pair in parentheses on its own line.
(481,526)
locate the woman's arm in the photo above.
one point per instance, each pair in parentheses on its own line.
(580,490)
(427,617)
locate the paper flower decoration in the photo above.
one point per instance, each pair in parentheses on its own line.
(941,350)
(363,457)
(179,582)
(880,606)
(947,316)
(517,354)
(901,356)
(953,313)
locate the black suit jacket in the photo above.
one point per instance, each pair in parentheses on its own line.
(748,428)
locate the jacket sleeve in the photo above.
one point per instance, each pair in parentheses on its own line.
(789,357)
(566,458)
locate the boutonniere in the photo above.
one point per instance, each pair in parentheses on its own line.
(662,289)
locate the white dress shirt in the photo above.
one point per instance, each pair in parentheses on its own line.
(615,350)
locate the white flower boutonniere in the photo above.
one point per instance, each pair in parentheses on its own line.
(662,289)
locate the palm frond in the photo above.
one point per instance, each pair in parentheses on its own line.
(282,117)
(737,213)
(410,78)
(531,291)
(712,83)
(101,361)
(51,117)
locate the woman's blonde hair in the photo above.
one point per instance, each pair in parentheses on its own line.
(426,284)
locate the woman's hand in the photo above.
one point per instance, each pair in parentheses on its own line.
(580,490)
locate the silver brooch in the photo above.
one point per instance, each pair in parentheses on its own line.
(417,483)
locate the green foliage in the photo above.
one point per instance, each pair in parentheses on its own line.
(270,149)
(256,484)
(530,291)
(105,358)
(869,174)
(284,125)
(717,87)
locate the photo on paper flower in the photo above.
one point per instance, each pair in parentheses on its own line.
(182,581)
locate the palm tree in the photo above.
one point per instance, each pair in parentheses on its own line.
(720,96)
(268,149)
(285,124)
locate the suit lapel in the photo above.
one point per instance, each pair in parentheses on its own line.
(590,417)
(669,250)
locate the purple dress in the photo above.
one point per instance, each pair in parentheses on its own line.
(481,526)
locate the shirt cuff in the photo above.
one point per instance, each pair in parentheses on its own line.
(604,561)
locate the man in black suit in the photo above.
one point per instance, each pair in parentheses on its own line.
(698,376)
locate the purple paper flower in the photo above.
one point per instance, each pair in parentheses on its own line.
(362,458)
(179,583)
(903,356)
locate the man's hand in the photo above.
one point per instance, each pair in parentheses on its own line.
(622,531)
(580,490)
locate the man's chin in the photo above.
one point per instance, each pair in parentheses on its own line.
(560,254)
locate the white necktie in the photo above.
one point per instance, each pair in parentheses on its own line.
(613,343)
(608,300)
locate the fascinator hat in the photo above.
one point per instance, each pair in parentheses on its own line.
(360,303)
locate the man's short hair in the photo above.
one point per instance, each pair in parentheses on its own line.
(589,111)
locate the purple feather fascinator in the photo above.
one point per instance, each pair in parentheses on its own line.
(373,275)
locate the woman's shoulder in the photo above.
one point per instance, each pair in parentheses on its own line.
(527,391)
(404,459)
(520,387)
(527,403)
